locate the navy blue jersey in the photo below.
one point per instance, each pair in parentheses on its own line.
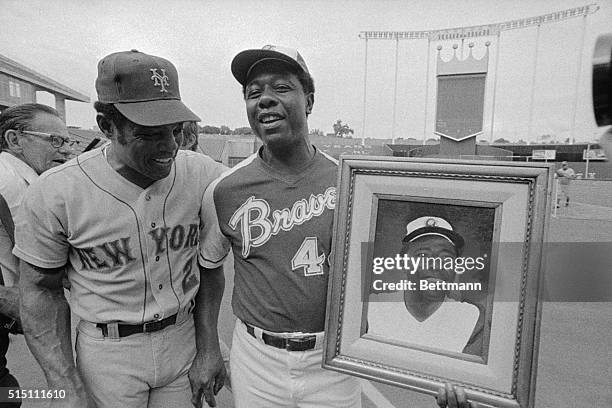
(280,230)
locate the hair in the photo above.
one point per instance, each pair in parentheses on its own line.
(112,113)
(191,128)
(305,79)
(20,117)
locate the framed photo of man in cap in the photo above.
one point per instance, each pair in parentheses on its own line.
(436,275)
(440,286)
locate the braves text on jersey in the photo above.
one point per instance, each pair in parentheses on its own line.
(280,230)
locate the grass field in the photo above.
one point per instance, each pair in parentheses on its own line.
(575,353)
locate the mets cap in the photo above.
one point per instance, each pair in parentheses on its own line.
(143,87)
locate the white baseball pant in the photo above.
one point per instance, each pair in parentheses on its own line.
(264,376)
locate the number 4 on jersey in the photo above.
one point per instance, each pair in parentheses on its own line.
(308,257)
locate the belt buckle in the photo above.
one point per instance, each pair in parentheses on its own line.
(300,344)
(152,326)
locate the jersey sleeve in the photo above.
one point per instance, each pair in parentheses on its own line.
(214,245)
(40,235)
(212,169)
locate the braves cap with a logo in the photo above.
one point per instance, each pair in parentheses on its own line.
(244,62)
(144,88)
(430,225)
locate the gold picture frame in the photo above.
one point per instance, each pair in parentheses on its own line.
(503,203)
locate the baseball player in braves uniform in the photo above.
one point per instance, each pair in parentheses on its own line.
(275,211)
(124,223)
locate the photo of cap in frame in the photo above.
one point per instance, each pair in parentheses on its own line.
(438,282)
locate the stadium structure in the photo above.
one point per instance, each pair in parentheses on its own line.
(19,84)
(452,85)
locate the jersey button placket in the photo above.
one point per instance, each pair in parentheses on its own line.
(153,226)
(151,210)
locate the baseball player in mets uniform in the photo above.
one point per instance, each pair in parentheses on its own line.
(565,174)
(275,211)
(124,223)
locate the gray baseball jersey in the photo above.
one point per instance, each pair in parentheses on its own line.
(565,175)
(131,252)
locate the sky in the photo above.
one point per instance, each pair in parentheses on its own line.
(64,40)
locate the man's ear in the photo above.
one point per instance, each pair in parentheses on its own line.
(309,103)
(13,141)
(106,125)
(190,140)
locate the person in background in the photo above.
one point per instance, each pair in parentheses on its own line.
(190,137)
(33,139)
(565,174)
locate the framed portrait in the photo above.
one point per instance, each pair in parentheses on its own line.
(437,273)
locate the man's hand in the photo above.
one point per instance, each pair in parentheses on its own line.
(225,354)
(206,376)
(452,396)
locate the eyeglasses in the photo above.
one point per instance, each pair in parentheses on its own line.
(56,141)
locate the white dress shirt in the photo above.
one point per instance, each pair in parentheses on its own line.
(15,177)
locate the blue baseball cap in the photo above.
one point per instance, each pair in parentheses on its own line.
(244,62)
(143,87)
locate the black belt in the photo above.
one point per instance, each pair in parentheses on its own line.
(289,344)
(149,327)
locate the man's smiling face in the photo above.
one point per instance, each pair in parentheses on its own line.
(277,105)
(146,154)
(438,248)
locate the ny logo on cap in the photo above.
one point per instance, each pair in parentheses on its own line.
(160,80)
